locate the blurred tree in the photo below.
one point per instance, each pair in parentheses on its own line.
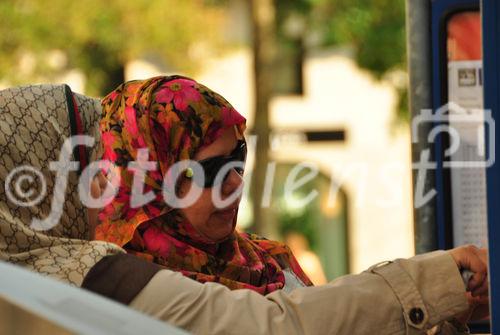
(375,29)
(263,24)
(41,38)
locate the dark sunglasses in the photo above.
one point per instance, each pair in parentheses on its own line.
(211,166)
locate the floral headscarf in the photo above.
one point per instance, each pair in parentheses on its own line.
(173,117)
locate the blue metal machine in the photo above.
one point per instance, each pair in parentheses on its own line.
(491,61)
(439,67)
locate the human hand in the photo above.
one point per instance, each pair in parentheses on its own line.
(471,258)
(479,309)
(475,260)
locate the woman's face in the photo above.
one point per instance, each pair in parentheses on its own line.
(213,223)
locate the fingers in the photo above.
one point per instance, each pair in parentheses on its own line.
(483,254)
(480,300)
(481,313)
(472,261)
(481,291)
(484,288)
(475,260)
(480,308)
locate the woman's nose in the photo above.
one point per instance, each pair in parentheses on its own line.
(233,181)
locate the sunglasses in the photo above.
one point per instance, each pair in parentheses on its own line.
(211,166)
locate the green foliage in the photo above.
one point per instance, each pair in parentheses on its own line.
(304,222)
(292,215)
(99,37)
(375,29)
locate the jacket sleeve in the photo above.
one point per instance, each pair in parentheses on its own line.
(406,296)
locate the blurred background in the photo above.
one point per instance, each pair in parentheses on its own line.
(321,82)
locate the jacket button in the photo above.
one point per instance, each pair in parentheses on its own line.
(416,315)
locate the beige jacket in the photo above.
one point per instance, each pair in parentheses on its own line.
(407,296)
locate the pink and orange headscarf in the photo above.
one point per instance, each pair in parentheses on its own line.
(173,117)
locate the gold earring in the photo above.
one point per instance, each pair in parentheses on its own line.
(189,172)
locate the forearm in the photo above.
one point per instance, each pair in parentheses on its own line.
(379,301)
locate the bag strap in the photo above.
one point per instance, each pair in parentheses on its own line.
(75,120)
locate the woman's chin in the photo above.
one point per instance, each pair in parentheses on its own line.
(221,235)
(220,229)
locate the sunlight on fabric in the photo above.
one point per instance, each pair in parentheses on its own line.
(72,308)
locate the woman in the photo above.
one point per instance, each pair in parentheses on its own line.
(35,121)
(178,119)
